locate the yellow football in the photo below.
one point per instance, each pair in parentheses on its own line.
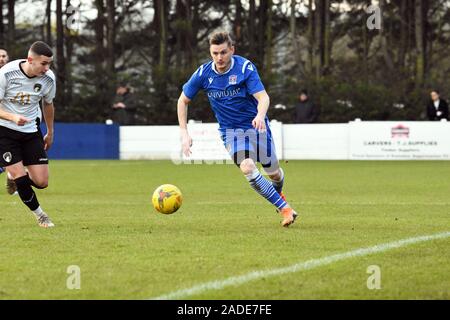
(167,198)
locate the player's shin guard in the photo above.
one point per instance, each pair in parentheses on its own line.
(278,184)
(265,189)
(26,193)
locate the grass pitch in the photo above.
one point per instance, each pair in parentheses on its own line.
(105,225)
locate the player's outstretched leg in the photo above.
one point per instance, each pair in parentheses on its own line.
(277,179)
(29,198)
(27,195)
(266,189)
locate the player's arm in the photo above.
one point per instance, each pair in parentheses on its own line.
(48,111)
(182,109)
(263,99)
(16,118)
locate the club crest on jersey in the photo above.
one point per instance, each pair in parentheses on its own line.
(232,79)
(7,156)
(37,87)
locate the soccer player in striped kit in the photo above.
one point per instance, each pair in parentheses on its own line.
(23,83)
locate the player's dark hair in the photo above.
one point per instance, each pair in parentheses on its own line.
(220,37)
(434,90)
(304,91)
(40,48)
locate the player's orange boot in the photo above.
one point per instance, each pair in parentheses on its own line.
(289,216)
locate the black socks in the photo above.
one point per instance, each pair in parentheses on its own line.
(26,193)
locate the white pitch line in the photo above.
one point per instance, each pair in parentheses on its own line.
(316,203)
(301,266)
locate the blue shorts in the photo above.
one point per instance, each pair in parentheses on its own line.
(243,144)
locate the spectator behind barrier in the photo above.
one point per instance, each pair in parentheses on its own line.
(437,108)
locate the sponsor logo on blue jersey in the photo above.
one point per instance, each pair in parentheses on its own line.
(218,94)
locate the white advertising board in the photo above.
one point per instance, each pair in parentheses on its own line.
(391,140)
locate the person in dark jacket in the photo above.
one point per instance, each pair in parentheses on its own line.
(306,111)
(123,105)
(437,108)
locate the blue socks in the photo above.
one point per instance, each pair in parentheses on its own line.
(266,189)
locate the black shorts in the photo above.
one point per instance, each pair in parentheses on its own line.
(16,146)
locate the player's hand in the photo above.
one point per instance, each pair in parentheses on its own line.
(20,120)
(259,123)
(48,141)
(186,143)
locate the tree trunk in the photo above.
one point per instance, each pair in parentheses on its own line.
(262,16)
(98,61)
(420,54)
(2,27)
(69,54)
(326,37)
(318,50)
(310,37)
(252,29)
(99,36)
(268,44)
(365,60)
(292,27)
(60,60)
(110,38)
(48,23)
(194,16)
(160,7)
(238,22)
(11,23)
(384,40)
(425,36)
(181,21)
(404,23)
(294,45)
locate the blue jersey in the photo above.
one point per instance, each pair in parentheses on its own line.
(230,94)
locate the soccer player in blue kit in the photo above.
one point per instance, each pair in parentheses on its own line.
(240,103)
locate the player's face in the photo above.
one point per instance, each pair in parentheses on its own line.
(3,58)
(221,54)
(40,64)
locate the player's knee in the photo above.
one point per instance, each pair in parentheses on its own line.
(247,166)
(41,183)
(276,175)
